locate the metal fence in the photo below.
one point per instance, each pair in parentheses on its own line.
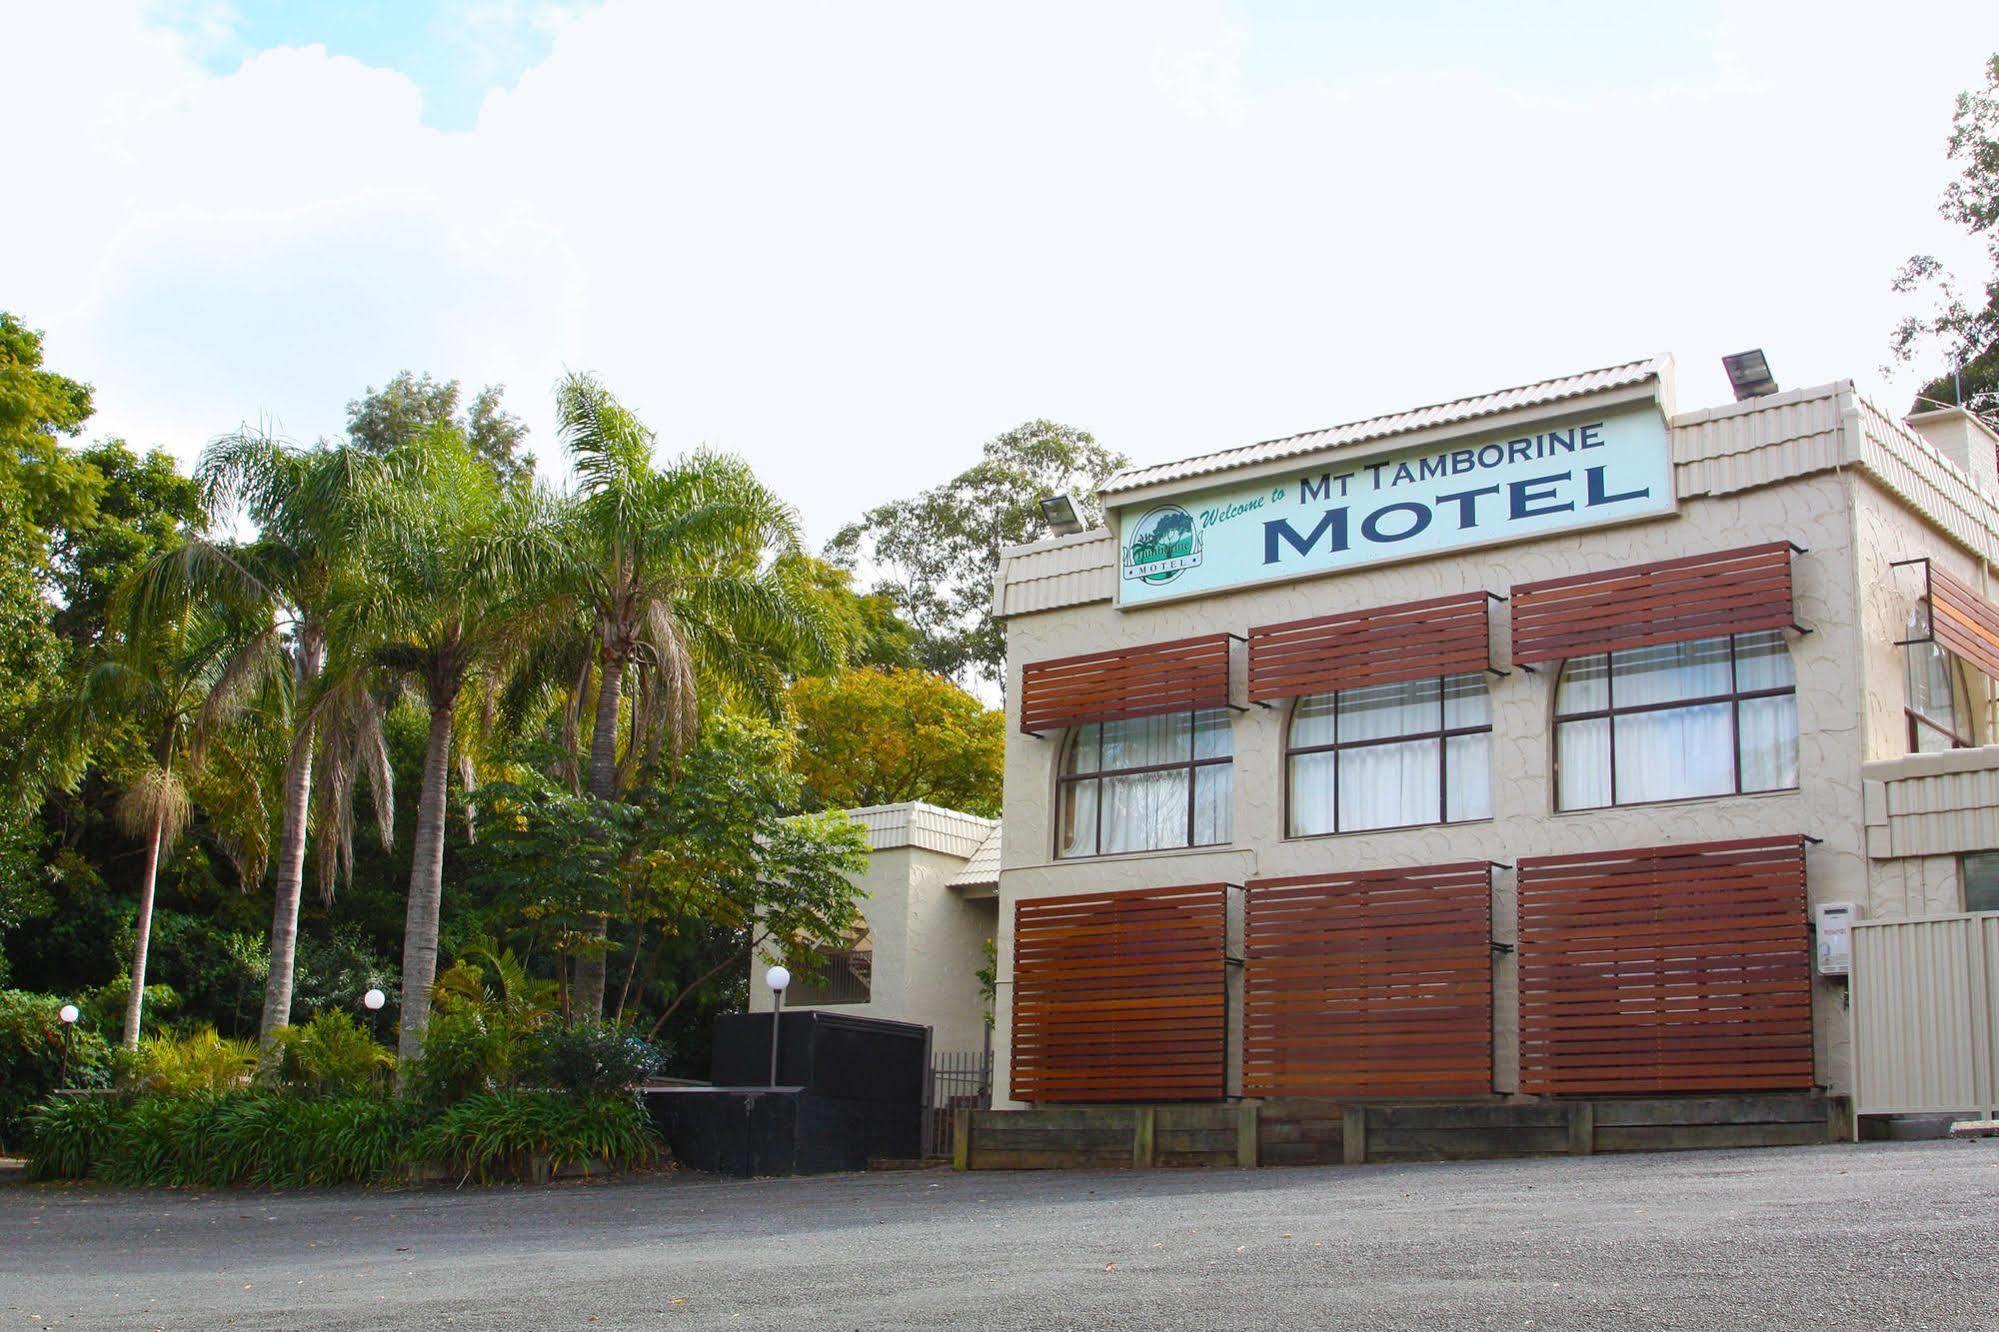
(959,1079)
(848,978)
(1926,1015)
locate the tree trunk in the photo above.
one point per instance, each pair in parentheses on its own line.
(284,907)
(137,999)
(587,1004)
(426,884)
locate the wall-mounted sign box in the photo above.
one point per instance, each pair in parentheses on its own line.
(1338,513)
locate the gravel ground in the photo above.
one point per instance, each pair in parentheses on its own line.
(1879,1236)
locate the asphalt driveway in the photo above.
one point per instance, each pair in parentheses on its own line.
(1878,1236)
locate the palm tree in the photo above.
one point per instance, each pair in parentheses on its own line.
(433,606)
(303,504)
(678,576)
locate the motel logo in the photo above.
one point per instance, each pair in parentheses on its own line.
(1161,545)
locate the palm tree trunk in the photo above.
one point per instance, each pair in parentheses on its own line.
(137,999)
(587,1004)
(426,885)
(284,909)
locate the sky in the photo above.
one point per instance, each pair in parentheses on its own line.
(853,241)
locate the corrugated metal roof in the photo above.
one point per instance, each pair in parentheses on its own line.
(1397,423)
(982,870)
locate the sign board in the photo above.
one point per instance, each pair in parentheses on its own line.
(1584,471)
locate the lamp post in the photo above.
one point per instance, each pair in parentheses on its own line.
(373,1001)
(777,978)
(69,1015)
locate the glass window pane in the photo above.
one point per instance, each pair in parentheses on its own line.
(1311,795)
(1585,686)
(1582,759)
(1388,786)
(1467,701)
(1769,739)
(1212,735)
(1929,674)
(1674,753)
(1312,721)
(1981,881)
(1141,742)
(1376,711)
(1670,671)
(1145,812)
(1762,661)
(1929,740)
(1082,756)
(1078,832)
(1214,800)
(1468,777)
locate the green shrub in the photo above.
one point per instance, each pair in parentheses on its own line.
(588,1058)
(283,1142)
(35,1046)
(501,1129)
(158,1142)
(463,1055)
(70,1134)
(199,1064)
(332,1056)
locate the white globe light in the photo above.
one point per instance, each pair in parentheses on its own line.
(777,978)
(373,1000)
(68,1013)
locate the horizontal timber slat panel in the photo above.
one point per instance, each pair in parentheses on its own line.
(1666,969)
(1671,601)
(1413,641)
(1963,622)
(1369,984)
(1120,996)
(1179,676)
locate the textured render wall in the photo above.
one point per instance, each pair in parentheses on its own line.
(1814,511)
(884,904)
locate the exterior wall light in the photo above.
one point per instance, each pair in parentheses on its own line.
(1749,374)
(1059,512)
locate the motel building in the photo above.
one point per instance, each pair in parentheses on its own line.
(1592,772)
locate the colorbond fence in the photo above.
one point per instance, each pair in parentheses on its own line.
(1926,1015)
(1120,996)
(1371,984)
(1677,968)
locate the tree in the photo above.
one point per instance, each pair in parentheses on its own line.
(410,405)
(678,573)
(936,553)
(879,737)
(304,503)
(1965,330)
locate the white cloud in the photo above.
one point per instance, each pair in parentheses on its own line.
(852,242)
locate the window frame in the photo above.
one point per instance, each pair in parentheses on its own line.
(1610,712)
(1442,735)
(1191,765)
(1923,635)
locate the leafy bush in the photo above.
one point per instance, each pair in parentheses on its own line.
(199,1064)
(70,1134)
(283,1142)
(33,1056)
(332,1056)
(157,1142)
(588,1058)
(502,1129)
(463,1055)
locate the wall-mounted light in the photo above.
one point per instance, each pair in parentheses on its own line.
(1059,512)
(1749,374)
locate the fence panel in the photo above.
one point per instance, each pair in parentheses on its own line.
(1926,1015)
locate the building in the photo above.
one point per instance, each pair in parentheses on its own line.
(1550,742)
(929,907)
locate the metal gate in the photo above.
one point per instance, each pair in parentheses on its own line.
(959,1079)
(1926,1015)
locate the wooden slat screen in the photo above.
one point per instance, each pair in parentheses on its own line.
(1699,596)
(1669,969)
(1179,676)
(1413,641)
(1120,996)
(1370,984)
(1964,623)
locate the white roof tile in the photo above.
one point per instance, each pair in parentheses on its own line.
(982,870)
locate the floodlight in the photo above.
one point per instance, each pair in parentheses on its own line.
(1749,374)
(1059,512)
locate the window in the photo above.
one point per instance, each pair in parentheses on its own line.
(1390,756)
(1980,872)
(1714,716)
(1146,784)
(848,978)
(1934,701)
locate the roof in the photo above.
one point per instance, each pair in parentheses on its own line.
(982,870)
(950,832)
(1397,423)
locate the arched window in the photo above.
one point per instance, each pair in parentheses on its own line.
(1146,784)
(1934,699)
(1390,756)
(1714,716)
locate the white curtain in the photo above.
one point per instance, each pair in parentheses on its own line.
(1582,759)
(1147,811)
(1674,754)
(1388,786)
